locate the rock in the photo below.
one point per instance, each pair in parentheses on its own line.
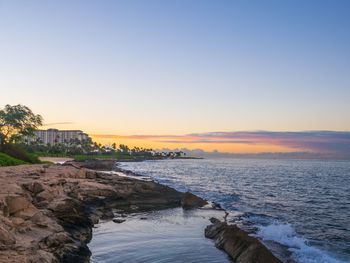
(238,244)
(216,206)
(190,201)
(81,174)
(34,187)
(107,214)
(27,213)
(90,175)
(17,221)
(102,165)
(40,220)
(44,196)
(134,207)
(6,237)
(15,204)
(118,220)
(42,257)
(57,239)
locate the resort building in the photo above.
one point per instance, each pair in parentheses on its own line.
(53,136)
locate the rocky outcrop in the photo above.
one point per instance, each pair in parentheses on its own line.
(47,212)
(95,164)
(190,201)
(238,244)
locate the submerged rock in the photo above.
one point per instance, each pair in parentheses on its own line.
(238,244)
(118,220)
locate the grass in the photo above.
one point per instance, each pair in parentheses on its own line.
(6,160)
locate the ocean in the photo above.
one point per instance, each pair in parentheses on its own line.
(303,205)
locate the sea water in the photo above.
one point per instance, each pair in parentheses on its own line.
(303,205)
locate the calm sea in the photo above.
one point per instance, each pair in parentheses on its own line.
(301,204)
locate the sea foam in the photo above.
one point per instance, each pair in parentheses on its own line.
(301,251)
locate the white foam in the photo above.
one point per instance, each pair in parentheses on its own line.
(301,251)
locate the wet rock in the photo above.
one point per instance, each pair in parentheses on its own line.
(238,244)
(118,220)
(107,214)
(190,201)
(216,206)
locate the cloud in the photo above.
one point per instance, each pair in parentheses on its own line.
(334,143)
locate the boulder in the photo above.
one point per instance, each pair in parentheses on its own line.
(40,220)
(27,213)
(238,244)
(190,201)
(15,204)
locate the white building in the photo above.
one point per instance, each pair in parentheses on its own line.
(53,136)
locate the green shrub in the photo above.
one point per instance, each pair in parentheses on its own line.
(6,160)
(19,153)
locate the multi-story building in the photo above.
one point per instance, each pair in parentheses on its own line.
(53,136)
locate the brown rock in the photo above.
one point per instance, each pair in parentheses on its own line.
(238,244)
(190,201)
(40,220)
(6,237)
(81,174)
(42,257)
(57,239)
(17,221)
(34,187)
(90,175)
(27,213)
(15,204)
(45,196)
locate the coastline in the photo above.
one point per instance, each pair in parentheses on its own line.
(48,211)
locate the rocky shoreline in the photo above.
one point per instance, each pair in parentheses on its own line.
(47,212)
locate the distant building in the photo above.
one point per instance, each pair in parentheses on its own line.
(53,136)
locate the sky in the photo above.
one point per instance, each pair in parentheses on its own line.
(153,73)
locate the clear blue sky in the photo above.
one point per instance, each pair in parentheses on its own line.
(177,67)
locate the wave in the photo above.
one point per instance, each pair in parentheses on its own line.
(301,251)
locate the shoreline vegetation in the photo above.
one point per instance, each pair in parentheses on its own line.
(48,211)
(19,143)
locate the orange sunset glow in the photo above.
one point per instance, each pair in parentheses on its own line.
(173,142)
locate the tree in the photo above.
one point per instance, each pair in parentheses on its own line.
(17,121)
